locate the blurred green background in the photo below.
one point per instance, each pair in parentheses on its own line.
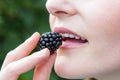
(19,19)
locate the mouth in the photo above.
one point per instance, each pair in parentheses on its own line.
(70,39)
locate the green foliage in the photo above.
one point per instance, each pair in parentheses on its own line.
(19,19)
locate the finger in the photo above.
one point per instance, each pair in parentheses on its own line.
(25,64)
(23,50)
(42,72)
(4,77)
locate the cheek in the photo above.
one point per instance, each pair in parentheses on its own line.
(103,30)
(103,25)
(104,13)
(52,21)
(104,20)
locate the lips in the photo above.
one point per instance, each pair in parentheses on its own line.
(70,38)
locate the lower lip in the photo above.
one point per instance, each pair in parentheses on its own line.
(72,44)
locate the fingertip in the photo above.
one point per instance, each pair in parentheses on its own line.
(53,56)
(48,51)
(36,34)
(45,51)
(34,38)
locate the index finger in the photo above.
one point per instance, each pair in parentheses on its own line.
(22,50)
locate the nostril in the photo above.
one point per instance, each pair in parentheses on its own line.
(61,12)
(60,8)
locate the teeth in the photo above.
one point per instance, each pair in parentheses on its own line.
(70,36)
(67,35)
(77,37)
(83,39)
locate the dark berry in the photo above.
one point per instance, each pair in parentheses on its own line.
(50,40)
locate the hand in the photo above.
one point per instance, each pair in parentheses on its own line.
(19,61)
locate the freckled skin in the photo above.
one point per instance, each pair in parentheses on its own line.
(99,22)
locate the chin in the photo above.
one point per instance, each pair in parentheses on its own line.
(65,70)
(66,67)
(69,74)
(62,69)
(62,72)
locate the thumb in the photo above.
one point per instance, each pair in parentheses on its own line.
(42,71)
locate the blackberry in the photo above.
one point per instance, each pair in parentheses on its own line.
(50,40)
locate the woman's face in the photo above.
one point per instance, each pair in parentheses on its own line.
(97,21)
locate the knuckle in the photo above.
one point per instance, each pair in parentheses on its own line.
(10,69)
(10,55)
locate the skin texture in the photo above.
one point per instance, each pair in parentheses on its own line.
(98,22)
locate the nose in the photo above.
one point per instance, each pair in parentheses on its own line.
(60,7)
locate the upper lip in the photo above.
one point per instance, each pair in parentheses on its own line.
(65,30)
